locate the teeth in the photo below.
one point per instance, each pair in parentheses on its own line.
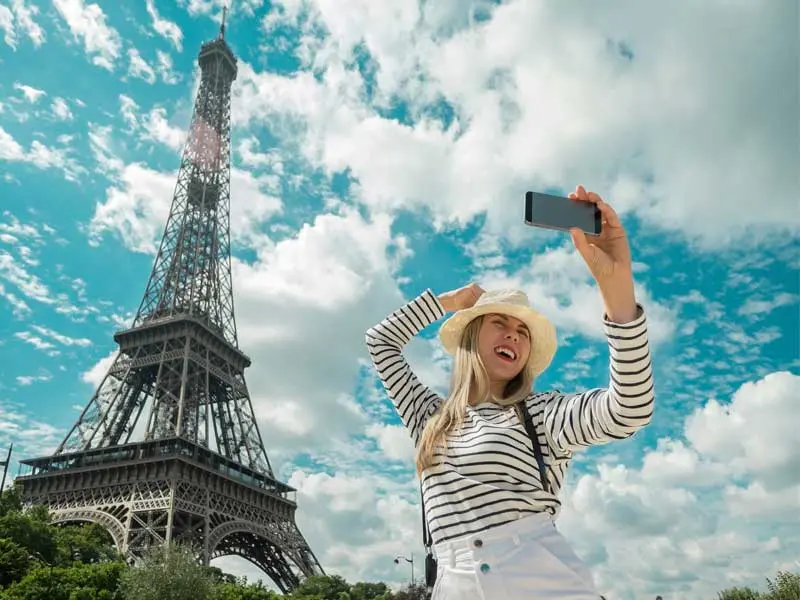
(506,352)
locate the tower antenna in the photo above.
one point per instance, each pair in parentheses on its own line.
(222,26)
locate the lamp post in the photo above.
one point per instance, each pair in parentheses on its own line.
(397,560)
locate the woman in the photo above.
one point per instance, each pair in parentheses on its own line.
(490,515)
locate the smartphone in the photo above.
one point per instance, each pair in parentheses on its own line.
(558,212)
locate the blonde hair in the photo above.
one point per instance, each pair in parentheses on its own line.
(469,378)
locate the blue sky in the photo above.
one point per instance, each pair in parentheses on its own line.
(381,149)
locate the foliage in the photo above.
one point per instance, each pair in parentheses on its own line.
(412,592)
(240,590)
(786,586)
(169,573)
(76,582)
(739,594)
(13,561)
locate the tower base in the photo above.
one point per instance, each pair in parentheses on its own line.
(173,490)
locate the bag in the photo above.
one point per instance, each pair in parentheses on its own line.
(431,565)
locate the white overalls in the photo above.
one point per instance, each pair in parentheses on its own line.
(525,559)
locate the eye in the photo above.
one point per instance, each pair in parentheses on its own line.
(524,333)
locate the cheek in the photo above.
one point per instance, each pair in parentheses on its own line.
(526,350)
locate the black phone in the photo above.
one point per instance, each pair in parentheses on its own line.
(558,212)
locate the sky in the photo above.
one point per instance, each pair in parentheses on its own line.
(381,149)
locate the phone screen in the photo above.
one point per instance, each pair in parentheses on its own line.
(558,212)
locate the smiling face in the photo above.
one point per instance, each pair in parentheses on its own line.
(504,344)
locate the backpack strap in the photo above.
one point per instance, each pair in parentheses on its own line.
(527,421)
(431,564)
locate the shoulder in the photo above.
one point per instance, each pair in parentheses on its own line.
(538,400)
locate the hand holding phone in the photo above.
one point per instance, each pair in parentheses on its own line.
(557,212)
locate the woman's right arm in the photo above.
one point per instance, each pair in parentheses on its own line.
(414,402)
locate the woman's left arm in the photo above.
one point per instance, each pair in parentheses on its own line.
(601,415)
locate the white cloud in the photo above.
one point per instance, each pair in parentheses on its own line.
(166,68)
(139,67)
(94,376)
(393,441)
(9,148)
(7,25)
(24,13)
(61,339)
(26,380)
(543,97)
(743,434)
(87,22)
(204,7)
(27,283)
(61,109)
(326,283)
(680,526)
(31,94)
(165,27)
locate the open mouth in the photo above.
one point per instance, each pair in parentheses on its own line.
(505,353)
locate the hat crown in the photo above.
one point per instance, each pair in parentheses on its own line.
(503,296)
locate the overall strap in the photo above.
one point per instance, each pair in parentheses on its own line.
(426,535)
(527,420)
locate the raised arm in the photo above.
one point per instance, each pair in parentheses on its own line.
(599,416)
(385,341)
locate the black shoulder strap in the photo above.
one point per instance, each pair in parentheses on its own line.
(426,535)
(527,420)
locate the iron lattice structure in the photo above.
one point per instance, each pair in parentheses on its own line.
(168,448)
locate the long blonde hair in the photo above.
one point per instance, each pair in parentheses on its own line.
(469,377)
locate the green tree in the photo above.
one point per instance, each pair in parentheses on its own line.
(29,531)
(10,500)
(412,592)
(85,542)
(240,590)
(369,591)
(76,582)
(168,573)
(322,587)
(739,594)
(785,587)
(14,561)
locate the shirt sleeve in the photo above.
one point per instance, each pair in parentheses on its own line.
(598,416)
(414,402)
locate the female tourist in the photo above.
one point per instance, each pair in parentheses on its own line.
(492,455)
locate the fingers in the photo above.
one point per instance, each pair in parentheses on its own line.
(609,214)
(585,249)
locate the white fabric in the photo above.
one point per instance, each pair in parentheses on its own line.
(527,559)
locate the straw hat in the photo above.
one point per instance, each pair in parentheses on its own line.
(513,303)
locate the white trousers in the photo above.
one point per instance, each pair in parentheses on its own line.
(527,559)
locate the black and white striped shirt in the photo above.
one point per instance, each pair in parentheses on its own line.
(489,474)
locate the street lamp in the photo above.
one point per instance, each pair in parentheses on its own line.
(397,560)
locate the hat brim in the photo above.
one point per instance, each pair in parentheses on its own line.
(543,333)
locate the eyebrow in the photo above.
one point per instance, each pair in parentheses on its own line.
(505,319)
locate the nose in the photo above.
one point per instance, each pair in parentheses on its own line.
(512,335)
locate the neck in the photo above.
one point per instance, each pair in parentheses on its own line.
(497,390)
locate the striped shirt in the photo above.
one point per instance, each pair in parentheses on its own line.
(489,475)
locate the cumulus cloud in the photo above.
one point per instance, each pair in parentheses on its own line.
(538,95)
(710,509)
(87,23)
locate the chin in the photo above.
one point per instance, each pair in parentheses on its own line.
(505,375)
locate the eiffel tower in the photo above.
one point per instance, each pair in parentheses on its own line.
(199,472)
